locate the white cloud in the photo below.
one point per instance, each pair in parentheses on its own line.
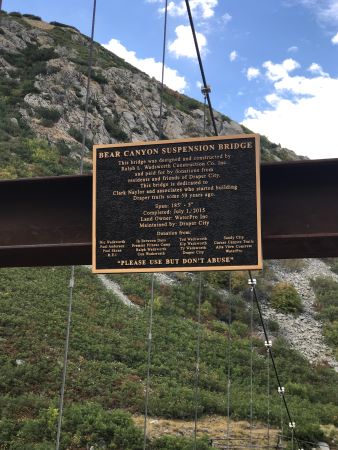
(293,49)
(334,39)
(317,69)
(252,73)
(328,10)
(299,113)
(226,18)
(183,45)
(148,65)
(325,10)
(202,8)
(277,71)
(233,56)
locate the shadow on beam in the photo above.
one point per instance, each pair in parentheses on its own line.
(47,221)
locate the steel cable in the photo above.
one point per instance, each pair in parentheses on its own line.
(206,87)
(150,338)
(251,364)
(160,124)
(160,134)
(198,346)
(72,275)
(229,360)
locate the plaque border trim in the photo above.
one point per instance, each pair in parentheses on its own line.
(192,268)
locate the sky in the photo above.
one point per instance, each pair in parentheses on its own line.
(271,64)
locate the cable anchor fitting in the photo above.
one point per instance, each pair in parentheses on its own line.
(292,425)
(281,390)
(252,282)
(205,90)
(268,344)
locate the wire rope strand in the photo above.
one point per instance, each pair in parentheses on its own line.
(229,360)
(192,26)
(292,443)
(198,358)
(89,75)
(150,337)
(251,363)
(160,124)
(204,116)
(150,326)
(268,394)
(65,358)
(72,270)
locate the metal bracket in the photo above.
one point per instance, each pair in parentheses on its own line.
(205,90)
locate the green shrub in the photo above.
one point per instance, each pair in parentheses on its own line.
(333,264)
(15,14)
(179,443)
(114,130)
(285,298)
(239,281)
(77,135)
(293,265)
(98,77)
(48,116)
(32,17)
(63,25)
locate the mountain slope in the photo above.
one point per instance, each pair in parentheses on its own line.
(43,71)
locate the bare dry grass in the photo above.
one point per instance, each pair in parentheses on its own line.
(214,426)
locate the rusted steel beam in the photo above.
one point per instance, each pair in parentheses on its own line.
(47,221)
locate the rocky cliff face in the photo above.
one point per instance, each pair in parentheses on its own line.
(43,68)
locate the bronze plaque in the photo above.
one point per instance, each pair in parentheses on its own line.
(177,205)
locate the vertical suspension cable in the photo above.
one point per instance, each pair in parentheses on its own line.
(160,133)
(150,326)
(251,364)
(89,75)
(229,360)
(150,337)
(192,26)
(72,269)
(198,346)
(268,393)
(204,116)
(65,358)
(281,419)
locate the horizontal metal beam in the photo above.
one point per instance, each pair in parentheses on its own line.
(47,221)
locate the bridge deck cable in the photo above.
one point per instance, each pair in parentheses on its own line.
(72,270)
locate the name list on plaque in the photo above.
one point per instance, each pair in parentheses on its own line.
(178,205)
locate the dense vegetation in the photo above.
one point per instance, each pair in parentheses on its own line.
(326,290)
(107,367)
